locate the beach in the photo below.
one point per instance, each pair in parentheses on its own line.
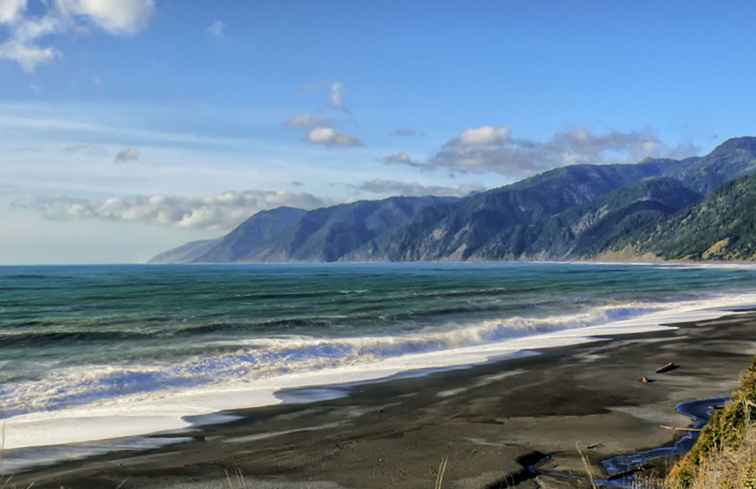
(486,420)
(374,245)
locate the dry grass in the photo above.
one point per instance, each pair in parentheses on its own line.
(731,468)
(729,436)
(2,440)
(727,469)
(236,480)
(441,472)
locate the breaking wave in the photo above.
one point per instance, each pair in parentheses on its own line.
(242,361)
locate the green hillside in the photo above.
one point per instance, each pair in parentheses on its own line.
(722,227)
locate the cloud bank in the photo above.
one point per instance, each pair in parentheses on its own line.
(219,212)
(490,149)
(414,189)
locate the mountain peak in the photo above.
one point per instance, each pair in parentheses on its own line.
(745,143)
(280,210)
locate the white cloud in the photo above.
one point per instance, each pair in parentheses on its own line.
(11,10)
(24,43)
(327,136)
(216,28)
(28,56)
(127,155)
(306,121)
(485,135)
(114,16)
(215,212)
(22,46)
(403,158)
(336,97)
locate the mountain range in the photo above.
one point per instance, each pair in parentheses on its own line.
(696,208)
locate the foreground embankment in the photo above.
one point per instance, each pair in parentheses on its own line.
(725,453)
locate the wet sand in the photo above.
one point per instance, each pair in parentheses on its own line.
(489,421)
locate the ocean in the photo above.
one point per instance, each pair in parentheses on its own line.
(105,337)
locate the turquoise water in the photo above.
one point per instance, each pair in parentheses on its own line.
(73,336)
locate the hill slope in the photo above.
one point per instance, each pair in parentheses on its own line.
(259,238)
(722,227)
(585,231)
(185,253)
(502,223)
(322,235)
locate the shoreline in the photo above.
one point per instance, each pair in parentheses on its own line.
(573,261)
(174,410)
(534,423)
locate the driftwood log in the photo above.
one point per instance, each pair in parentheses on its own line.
(675,428)
(667,368)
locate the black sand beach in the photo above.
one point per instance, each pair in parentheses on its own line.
(489,421)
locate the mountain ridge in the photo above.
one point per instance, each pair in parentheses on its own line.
(572,212)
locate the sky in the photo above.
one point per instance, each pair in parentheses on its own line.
(131,126)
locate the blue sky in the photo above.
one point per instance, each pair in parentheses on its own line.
(134,125)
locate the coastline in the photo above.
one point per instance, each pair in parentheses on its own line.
(173,410)
(484,417)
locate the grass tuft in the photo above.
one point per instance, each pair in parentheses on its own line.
(441,472)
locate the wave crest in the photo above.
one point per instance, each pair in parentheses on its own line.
(244,361)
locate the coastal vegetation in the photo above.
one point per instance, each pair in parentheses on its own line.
(724,456)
